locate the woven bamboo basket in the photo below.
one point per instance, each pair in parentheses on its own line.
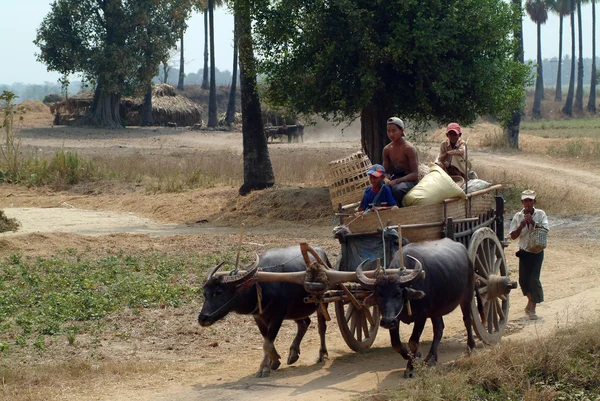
(538,238)
(349,179)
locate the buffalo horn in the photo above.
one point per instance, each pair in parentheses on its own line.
(366,282)
(242,276)
(414,273)
(213,271)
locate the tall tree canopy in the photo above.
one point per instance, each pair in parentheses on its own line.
(421,60)
(116,45)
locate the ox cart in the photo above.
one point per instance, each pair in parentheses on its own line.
(476,221)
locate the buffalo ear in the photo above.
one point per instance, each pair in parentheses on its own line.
(409,294)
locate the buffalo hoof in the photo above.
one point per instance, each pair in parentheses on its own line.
(263,372)
(275,364)
(431,362)
(409,374)
(293,356)
(322,357)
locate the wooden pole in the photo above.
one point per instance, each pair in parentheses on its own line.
(237,258)
(400,247)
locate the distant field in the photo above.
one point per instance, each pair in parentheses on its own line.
(572,128)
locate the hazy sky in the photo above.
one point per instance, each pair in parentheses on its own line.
(19,20)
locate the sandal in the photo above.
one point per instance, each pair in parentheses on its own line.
(532,315)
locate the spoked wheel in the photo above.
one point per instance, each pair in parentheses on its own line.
(491,276)
(358,326)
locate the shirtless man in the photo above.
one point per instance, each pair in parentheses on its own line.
(400,161)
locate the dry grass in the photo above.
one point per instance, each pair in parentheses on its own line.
(553,197)
(175,172)
(564,367)
(39,382)
(7,224)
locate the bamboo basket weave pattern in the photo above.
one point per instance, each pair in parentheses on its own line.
(537,240)
(349,179)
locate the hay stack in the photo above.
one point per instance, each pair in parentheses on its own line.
(37,114)
(167,107)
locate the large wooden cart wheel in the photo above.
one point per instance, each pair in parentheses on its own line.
(358,326)
(491,276)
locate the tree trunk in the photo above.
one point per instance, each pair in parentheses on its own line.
(205,71)
(232,94)
(514,125)
(104,111)
(258,172)
(146,118)
(558,91)
(591,106)
(373,128)
(181,71)
(166,69)
(579,91)
(539,88)
(568,107)
(212,96)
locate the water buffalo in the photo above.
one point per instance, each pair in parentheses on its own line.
(449,281)
(275,133)
(238,293)
(295,133)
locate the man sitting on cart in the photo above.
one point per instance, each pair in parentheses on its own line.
(400,160)
(453,151)
(377,196)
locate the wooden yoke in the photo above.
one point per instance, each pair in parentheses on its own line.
(319,286)
(305,248)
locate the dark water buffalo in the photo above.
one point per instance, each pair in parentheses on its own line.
(274,133)
(449,282)
(295,133)
(238,293)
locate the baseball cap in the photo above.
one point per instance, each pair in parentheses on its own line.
(397,121)
(453,127)
(377,170)
(527,194)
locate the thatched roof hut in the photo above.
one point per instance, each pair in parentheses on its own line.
(167,107)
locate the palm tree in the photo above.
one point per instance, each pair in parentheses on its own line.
(538,12)
(591,106)
(212,96)
(562,8)
(514,125)
(258,171)
(181,72)
(205,70)
(568,107)
(230,116)
(579,90)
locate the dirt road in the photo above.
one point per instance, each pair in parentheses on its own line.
(218,363)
